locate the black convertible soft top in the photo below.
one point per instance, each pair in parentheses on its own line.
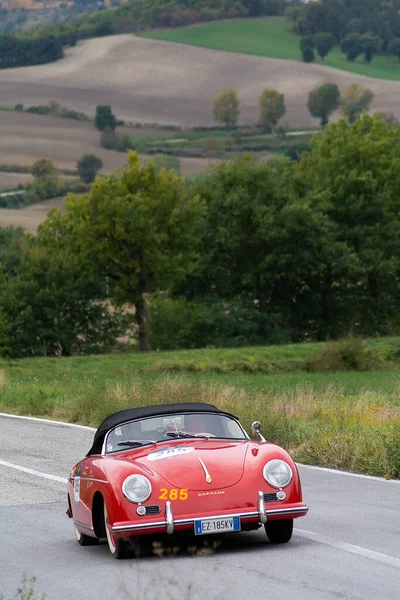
(122,416)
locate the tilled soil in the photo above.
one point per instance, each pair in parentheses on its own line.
(153,81)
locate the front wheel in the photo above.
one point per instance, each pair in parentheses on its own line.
(84,540)
(118,547)
(280,531)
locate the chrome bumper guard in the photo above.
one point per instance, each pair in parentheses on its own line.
(169,523)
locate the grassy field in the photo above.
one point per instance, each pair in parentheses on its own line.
(348,420)
(271,38)
(218,143)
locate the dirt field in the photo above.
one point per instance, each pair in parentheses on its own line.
(29,217)
(25,138)
(154,81)
(10,181)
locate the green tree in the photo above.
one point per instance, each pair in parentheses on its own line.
(355,100)
(394,47)
(54,307)
(388,117)
(138,230)
(307,41)
(12,244)
(352,46)
(371,44)
(354,171)
(43,168)
(105,118)
(266,245)
(4,335)
(323,101)
(88,167)
(308,55)
(324,42)
(307,48)
(226,108)
(272,108)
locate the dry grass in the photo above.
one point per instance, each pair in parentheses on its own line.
(2,379)
(359,432)
(153,81)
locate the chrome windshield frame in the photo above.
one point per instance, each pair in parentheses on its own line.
(104,453)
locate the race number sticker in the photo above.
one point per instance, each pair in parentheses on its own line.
(77,485)
(169,453)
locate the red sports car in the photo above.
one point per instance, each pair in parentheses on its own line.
(177,467)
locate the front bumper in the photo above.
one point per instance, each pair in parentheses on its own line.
(170,524)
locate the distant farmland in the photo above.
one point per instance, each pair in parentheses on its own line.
(272,38)
(25,138)
(152,81)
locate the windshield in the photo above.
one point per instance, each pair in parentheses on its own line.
(140,432)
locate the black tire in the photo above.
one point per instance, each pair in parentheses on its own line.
(118,547)
(280,531)
(85,540)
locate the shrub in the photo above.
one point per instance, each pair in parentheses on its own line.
(43,168)
(124,143)
(105,118)
(295,152)
(349,354)
(88,167)
(108,138)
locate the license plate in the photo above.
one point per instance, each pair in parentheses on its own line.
(207,526)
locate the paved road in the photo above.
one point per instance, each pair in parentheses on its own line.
(348,547)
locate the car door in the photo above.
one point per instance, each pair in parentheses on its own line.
(82,511)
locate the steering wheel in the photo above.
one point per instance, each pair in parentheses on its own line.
(205,434)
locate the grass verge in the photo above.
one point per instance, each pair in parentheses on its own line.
(345,420)
(271,38)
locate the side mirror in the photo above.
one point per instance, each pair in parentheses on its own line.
(255,429)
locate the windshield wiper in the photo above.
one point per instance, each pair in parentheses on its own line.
(183,434)
(135,443)
(187,434)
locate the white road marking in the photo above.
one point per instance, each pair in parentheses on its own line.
(324,469)
(47,421)
(349,473)
(377,556)
(323,539)
(4,463)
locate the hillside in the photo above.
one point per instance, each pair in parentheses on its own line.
(150,81)
(272,38)
(16,15)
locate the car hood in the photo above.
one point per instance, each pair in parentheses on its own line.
(197,465)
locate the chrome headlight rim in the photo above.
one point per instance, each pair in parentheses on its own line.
(137,500)
(268,480)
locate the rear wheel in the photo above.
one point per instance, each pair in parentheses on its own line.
(118,547)
(280,531)
(84,540)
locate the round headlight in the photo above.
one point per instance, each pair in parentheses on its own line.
(136,488)
(277,473)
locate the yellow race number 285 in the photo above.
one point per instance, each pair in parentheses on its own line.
(173,494)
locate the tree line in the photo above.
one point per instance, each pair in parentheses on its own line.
(253,252)
(367,28)
(138,15)
(16,52)
(322,102)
